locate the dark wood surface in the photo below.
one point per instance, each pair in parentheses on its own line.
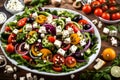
(21,72)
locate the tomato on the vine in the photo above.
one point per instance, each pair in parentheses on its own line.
(98,12)
(87,9)
(95,4)
(106,16)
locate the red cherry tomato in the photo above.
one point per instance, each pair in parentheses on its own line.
(70,61)
(112,2)
(11,38)
(51,39)
(83,21)
(22,22)
(115,16)
(7,28)
(58,69)
(113,8)
(58,60)
(86,9)
(102,1)
(104,7)
(98,12)
(10,48)
(73,26)
(95,4)
(67,47)
(26,57)
(106,16)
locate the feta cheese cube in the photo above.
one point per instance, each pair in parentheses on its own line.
(39,40)
(61,51)
(73,48)
(42,29)
(70,30)
(49,19)
(67,40)
(99,64)
(114,41)
(42,35)
(65,33)
(29,76)
(113,33)
(35,24)
(106,30)
(95,21)
(27,46)
(57,43)
(15,31)
(58,30)
(28,27)
(68,20)
(34,15)
(100,24)
(82,42)
(22,78)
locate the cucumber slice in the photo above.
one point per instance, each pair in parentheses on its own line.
(115,71)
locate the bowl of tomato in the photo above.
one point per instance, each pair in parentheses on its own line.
(50,41)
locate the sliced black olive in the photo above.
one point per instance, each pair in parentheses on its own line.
(30,19)
(77,18)
(86,26)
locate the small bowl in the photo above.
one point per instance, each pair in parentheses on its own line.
(5,18)
(14,11)
(109,21)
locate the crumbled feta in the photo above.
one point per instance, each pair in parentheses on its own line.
(100,24)
(70,30)
(95,21)
(114,41)
(35,24)
(15,31)
(58,30)
(54,24)
(42,35)
(82,42)
(29,76)
(65,33)
(15,76)
(73,48)
(35,77)
(39,40)
(49,19)
(72,76)
(67,40)
(34,15)
(42,30)
(113,33)
(106,30)
(61,51)
(28,27)
(1,59)
(68,20)
(41,78)
(99,64)
(27,46)
(22,78)
(57,43)
(2,17)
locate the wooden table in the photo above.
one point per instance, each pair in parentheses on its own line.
(21,72)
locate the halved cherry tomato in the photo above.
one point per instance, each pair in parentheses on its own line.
(7,28)
(83,21)
(98,12)
(106,16)
(73,26)
(27,57)
(10,48)
(87,9)
(51,39)
(67,47)
(70,61)
(22,22)
(11,38)
(58,60)
(58,69)
(95,4)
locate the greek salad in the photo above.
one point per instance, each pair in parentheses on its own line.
(49,40)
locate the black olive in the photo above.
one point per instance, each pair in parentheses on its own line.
(86,26)
(30,19)
(47,10)
(40,9)
(77,18)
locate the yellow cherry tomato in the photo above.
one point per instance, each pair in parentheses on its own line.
(75,39)
(41,19)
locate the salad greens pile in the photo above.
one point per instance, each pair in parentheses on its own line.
(49,40)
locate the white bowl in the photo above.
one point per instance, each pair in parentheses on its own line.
(5,17)
(109,21)
(13,11)
(91,58)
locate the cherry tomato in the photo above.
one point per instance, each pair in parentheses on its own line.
(86,9)
(7,28)
(22,22)
(10,48)
(26,57)
(70,61)
(102,1)
(58,69)
(51,39)
(95,4)
(104,7)
(11,38)
(115,16)
(73,26)
(98,12)
(83,21)
(112,2)
(113,8)
(67,47)
(106,16)
(58,60)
